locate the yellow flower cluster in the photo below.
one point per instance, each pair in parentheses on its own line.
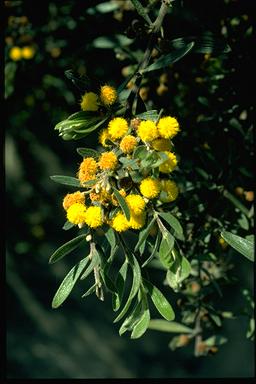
(91,101)
(87,170)
(17,53)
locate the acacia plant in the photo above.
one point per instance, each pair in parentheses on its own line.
(125,201)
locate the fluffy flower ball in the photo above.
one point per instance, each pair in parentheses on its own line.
(168,127)
(169,165)
(72,198)
(93,217)
(89,102)
(137,221)
(117,128)
(87,170)
(147,130)
(128,143)
(76,213)
(108,161)
(108,95)
(15,53)
(120,223)
(135,203)
(103,137)
(169,191)
(150,187)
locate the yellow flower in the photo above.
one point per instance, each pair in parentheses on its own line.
(108,95)
(103,196)
(161,144)
(169,164)
(135,203)
(76,213)
(119,223)
(87,170)
(150,187)
(103,137)
(93,217)
(168,127)
(128,144)
(147,130)
(169,191)
(222,243)
(108,161)
(72,198)
(89,102)
(15,53)
(27,52)
(117,128)
(137,221)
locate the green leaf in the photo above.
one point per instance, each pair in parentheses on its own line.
(108,281)
(68,225)
(135,287)
(103,8)
(243,246)
(215,340)
(169,59)
(159,158)
(66,248)
(178,272)
(132,319)
(110,42)
(141,10)
(120,285)
(66,180)
(91,290)
(174,223)
(149,115)
(166,326)
(87,152)
(95,260)
(159,300)
(68,283)
(206,43)
(155,248)
(142,325)
(122,203)
(144,234)
(165,250)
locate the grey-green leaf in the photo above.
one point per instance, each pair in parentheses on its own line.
(67,225)
(87,152)
(68,283)
(166,326)
(174,223)
(243,246)
(142,325)
(144,234)
(122,203)
(66,248)
(165,250)
(149,115)
(120,284)
(159,300)
(66,180)
(141,10)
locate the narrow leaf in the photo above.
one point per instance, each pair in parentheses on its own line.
(120,284)
(142,325)
(91,290)
(66,180)
(68,225)
(87,152)
(66,248)
(144,234)
(243,246)
(122,203)
(174,223)
(149,115)
(141,10)
(166,326)
(159,300)
(165,250)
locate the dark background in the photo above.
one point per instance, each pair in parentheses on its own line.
(79,340)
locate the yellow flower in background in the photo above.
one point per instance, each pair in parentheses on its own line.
(103,137)
(150,187)
(119,223)
(87,170)
(135,203)
(161,144)
(28,52)
(147,130)
(117,128)
(168,127)
(169,165)
(128,143)
(108,95)
(108,161)
(137,221)
(76,213)
(93,217)
(222,243)
(169,191)
(15,53)
(72,198)
(89,102)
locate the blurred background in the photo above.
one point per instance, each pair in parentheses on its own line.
(209,94)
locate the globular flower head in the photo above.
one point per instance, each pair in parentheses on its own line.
(137,221)
(76,213)
(103,137)
(108,95)
(168,127)
(169,191)
(87,170)
(72,198)
(150,187)
(169,165)
(117,128)
(27,52)
(89,102)
(128,143)
(15,53)
(147,130)
(119,223)
(93,217)
(108,161)
(135,203)
(161,144)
